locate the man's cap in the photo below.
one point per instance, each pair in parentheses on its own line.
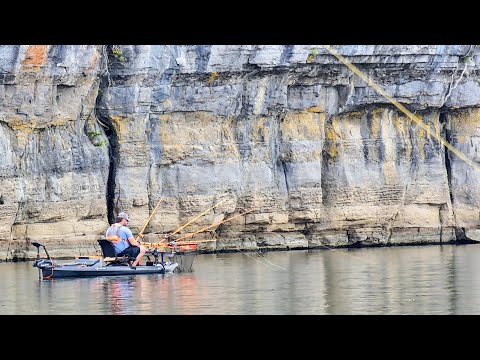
(123,215)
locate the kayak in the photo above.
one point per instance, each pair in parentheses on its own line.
(90,266)
(87,267)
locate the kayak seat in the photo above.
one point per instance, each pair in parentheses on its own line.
(110,256)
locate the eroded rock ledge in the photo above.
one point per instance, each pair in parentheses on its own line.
(86,131)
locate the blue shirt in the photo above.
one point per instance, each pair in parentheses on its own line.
(125,233)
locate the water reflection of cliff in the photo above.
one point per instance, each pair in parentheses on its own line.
(118,293)
(402,280)
(152,294)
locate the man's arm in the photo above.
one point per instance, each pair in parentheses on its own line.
(133,241)
(130,237)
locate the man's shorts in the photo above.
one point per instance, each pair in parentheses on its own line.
(132,251)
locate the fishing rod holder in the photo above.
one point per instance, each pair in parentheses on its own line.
(155,254)
(41,263)
(37,245)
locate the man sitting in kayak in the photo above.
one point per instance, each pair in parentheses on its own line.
(123,241)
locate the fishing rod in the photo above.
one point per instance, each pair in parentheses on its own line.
(188,223)
(164,245)
(140,234)
(267,262)
(189,242)
(171,244)
(213,225)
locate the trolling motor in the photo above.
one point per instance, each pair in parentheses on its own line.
(41,263)
(155,256)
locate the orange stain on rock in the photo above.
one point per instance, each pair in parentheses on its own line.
(36,55)
(93,60)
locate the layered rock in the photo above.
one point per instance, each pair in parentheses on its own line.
(52,177)
(321,158)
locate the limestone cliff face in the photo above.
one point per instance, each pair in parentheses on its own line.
(288,131)
(52,177)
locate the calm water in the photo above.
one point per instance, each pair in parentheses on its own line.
(400,280)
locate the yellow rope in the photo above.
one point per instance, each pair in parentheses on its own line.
(402,108)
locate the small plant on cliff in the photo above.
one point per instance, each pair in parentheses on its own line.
(93,134)
(468,60)
(102,143)
(97,139)
(213,76)
(311,55)
(118,53)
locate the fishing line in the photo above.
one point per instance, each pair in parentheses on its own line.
(244,252)
(341,252)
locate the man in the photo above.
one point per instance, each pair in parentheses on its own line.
(123,241)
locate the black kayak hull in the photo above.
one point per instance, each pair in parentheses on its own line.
(98,269)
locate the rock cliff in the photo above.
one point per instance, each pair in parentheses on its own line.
(288,131)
